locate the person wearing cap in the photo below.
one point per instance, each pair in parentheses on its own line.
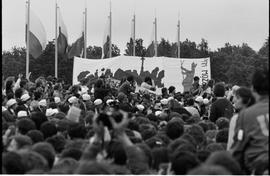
(190,107)
(73,100)
(9,115)
(43,105)
(26,100)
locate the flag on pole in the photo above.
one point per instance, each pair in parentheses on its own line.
(37,36)
(62,39)
(106,40)
(77,47)
(150,52)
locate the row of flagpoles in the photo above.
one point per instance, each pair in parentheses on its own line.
(36,37)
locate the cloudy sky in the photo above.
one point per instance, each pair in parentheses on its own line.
(217,21)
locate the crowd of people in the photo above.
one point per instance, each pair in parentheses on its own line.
(50,127)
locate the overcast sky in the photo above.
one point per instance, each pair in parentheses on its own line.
(217,21)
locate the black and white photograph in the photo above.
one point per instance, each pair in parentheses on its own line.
(135,87)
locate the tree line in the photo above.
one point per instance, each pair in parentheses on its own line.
(232,64)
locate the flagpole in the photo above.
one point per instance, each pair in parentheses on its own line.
(110,43)
(178,38)
(155,37)
(134,39)
(85,30)
(55,44)
(27,40)
(178,35)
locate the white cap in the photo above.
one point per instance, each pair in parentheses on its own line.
(205,101)
(234,89)
(57,100)
(199,99)
(164,101)
(25,97)
(51,112)
(170,98)
(157,113)
(140,107)
(22,114)
(97,102)
(109,101)
(72,99)
(42,102)
(11,102)
(3,109)
(86,97)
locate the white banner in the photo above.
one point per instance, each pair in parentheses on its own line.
(164,71)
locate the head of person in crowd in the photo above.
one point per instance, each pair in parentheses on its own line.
(211,136)
(33,161)
(226,160)
(196,80)
(211,83)
(12,105)
(9,85)
(160,155)
(197,132)
(63,107)
(24,125)
(26,99)
(174,129)
(35,135)
(222,123)
(38,118)
(48,129)
(23,83)
(228,89)
(131,79)
(65,166)
(46,150)
(219,90)
(243,98)
(76,130)
(171,90)
(19,142)
(260,84)
(148,80)
(12,163)
(164,92)
(183,162)
(58,142)
(75,90)
(207,169)
(18,93)
(222,136)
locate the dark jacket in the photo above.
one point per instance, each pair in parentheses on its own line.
(100,93)
(221,108)
(126,88)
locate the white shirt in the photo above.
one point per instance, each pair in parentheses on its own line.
(192,110)
(231,131)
